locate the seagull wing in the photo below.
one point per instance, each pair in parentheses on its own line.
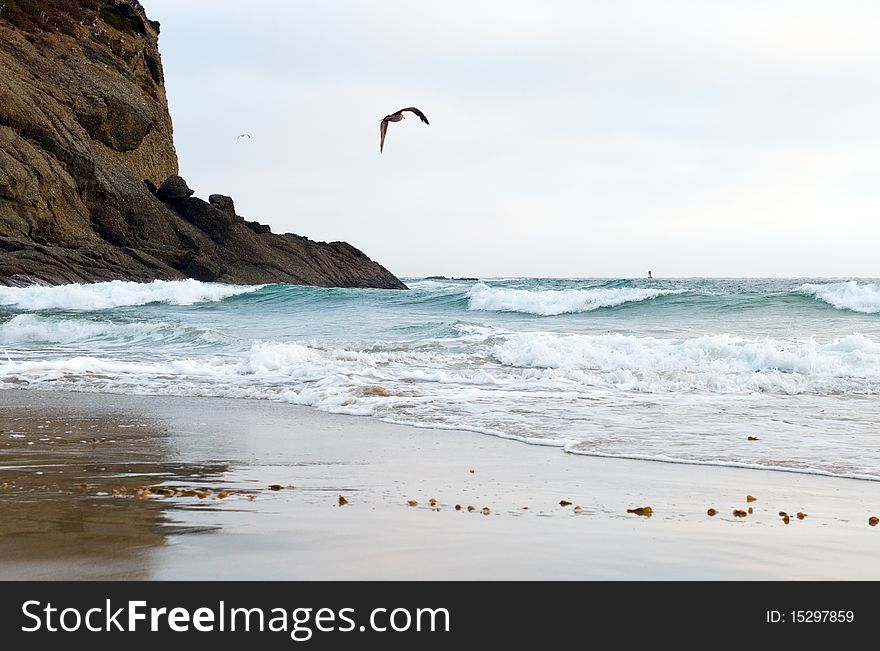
(383,129)
(413,109)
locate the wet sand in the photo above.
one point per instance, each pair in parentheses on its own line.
(51,527)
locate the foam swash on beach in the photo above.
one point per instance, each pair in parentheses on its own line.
(670,370)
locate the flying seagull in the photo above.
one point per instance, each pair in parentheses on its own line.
(397,117)
(244,135)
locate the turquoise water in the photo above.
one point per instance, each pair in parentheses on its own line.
(673,370)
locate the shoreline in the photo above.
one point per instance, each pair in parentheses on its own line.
(560,445)
(51,528)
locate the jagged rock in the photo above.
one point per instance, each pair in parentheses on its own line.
(125,17)
(174,188)
(114,122)
(86,138)
(206,216)
(202,268)
(224,203)
(258,228)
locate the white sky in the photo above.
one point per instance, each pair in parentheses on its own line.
(592,138)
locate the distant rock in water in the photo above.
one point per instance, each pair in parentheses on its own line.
(448,278)
(89,184)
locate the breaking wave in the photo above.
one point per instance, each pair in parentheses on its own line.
(849,295)
(712,363)
(553,302)
(117,293)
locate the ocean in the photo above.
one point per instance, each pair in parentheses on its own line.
(678,370)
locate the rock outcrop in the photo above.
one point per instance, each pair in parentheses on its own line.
(89,185)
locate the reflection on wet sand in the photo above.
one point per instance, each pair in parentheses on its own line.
(72,500)
(321,496)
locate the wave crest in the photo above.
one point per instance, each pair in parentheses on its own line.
(553,302)
(848,295)
(118,293)
(24,329)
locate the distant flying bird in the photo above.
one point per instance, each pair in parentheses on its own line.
(244,135)
(397,117)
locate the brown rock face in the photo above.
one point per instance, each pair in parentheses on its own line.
(85,147)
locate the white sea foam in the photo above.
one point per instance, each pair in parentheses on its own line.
(716,363)
(118,293)
(521,364)
(849,295)
(29,329)
(553,302)
(611,395)
(32,328)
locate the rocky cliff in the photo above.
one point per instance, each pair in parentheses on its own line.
(88,172)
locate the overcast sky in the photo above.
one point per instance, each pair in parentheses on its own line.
(591,138)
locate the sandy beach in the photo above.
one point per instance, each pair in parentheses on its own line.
(71,465)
